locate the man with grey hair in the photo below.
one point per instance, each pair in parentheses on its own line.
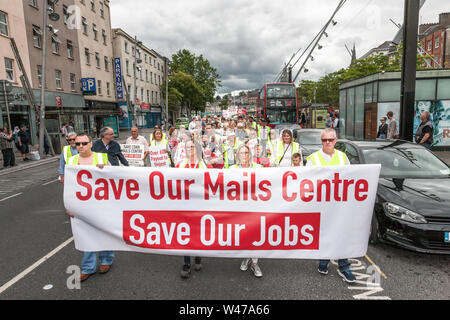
(329,156)
(106,144)
(138,139)
(424,134)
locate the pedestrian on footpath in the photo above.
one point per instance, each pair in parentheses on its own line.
(193,161)
(7,147)
(136,138)
(86,156)
(106,144)
(392,127)
(382,129)
(24,139)
(244,159)
(68,151)
(329,156)
(424,133)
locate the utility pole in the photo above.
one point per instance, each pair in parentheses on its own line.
(409,67)
(166,70)
(42,107)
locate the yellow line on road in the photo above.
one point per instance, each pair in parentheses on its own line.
(377,267)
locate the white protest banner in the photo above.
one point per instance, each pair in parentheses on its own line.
(134,153)
(158,157)
(301,212)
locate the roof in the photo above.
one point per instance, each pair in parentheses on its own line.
(383,143)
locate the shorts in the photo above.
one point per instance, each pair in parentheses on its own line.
(24,149)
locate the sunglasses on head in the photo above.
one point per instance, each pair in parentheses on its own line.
(81,143)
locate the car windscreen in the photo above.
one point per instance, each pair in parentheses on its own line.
(277,116)
(407,162)
(309,138)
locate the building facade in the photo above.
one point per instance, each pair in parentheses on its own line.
(143,72)
(97,65)
(434,38)
(364,101)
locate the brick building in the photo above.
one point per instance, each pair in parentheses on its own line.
(435,40)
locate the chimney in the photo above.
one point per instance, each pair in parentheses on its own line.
(444,19)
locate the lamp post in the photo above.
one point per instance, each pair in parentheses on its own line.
(42,108)
(136,61)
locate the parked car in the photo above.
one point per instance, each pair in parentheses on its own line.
(309,140)
(412,209)
(182,121)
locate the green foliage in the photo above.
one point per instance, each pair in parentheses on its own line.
(327,87)
(205,79)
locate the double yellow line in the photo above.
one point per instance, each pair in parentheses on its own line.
(377,267)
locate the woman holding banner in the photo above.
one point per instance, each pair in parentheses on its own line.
(159,150)
(193,161)
(244,159)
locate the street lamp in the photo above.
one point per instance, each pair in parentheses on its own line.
(136,61)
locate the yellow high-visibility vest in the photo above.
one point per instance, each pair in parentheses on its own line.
(99,158)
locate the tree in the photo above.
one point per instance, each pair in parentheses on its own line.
(184,91)
(204,75)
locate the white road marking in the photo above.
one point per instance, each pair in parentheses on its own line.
(34,266)
(47,183)
(14,195)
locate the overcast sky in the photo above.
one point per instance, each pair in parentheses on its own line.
(248,41)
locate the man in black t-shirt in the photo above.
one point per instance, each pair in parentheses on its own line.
(424,134)
(23,140)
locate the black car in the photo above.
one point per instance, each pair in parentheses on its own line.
(412,208)
(309,140)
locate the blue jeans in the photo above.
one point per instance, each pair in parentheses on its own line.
(89,262)
(343,264)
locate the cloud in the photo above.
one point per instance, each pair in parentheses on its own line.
(248,41)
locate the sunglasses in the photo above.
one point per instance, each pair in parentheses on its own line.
(70,140)
(81,143)
(328,140)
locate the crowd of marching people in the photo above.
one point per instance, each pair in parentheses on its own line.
(209,142)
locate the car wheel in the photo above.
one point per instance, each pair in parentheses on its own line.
(374,236)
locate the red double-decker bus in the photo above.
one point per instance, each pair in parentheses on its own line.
(277,103)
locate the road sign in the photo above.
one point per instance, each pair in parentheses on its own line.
(88,86)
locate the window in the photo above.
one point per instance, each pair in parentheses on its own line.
(108,91)
(99,82)
(146,75)
(140,72)
(106,63)
(132,51)
(145,57)
(65,14)
(437,43)
(84,25)
(55,44)
(37,34)
(39,75)
(72,82)
(69,49)
(127,66)
(92,5)
(87,56)
(58,79)
(101,9)
(3,24)
(9,68)
(97,60)
(151,77)
(142,94)
(148,96)
(33,3)
(104,36)
(95,30)
(126,47)
(429,45)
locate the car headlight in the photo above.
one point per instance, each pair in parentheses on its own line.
(398,212)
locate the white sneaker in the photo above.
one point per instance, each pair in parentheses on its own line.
(256,270)
(244,264)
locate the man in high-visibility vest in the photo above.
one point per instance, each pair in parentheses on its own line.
(67,152)
(264,134)
(229,148)
(329,156)
(86,156)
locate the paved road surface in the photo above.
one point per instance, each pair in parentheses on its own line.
(34,225)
